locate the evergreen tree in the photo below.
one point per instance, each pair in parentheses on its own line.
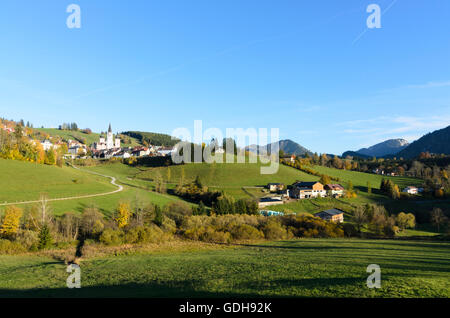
(45,238)
(158,220)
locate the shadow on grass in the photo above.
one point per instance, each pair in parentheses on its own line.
(186,289)
(179,289)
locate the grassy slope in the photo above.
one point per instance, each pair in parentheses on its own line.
(360,179)
(420,206)
(90,138)
(229,177)
(22,181)
(307,267)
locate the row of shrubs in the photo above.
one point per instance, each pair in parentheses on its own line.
(231,228)
(136,223)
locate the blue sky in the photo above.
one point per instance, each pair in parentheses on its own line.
(300,66)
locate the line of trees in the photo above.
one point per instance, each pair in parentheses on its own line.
(68,126)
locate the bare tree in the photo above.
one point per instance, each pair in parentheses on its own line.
(438,217)
(360,218)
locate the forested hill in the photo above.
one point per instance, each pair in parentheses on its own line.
(152,138)
(437,142)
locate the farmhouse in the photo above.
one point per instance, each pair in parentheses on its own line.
(305,190)
(334,215)
(411,190)
(334,190)
(275,187)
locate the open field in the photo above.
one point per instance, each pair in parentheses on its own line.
(297,268)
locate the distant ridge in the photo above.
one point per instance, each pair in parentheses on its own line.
(287,146)
(388,147)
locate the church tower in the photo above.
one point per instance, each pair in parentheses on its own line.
(109,138)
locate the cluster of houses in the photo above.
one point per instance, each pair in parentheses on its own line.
(7,129)
(383,173)
(106,148)
(306,190)
(303,190)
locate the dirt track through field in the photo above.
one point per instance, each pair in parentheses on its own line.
(113,182)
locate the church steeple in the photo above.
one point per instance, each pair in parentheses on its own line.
(109,129)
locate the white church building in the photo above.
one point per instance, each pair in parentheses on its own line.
(109,143)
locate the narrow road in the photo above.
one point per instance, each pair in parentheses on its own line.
(113,182)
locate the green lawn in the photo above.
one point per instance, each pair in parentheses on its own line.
(298,268)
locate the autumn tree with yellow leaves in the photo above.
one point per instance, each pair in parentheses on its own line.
(11,221)
(123,214)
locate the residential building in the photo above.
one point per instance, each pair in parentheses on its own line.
(46,144)
(411,190)
(305,190)
(165,151)
(140,151)
(334,215)
(122,154)
(334,190)
(275,187)
(77,149)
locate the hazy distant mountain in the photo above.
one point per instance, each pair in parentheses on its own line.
(355,154)
(388,147)
(436,142)
(288,146)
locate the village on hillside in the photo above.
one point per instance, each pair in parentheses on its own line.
(106,147)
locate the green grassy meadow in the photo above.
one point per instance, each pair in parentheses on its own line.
(25,181)
(360,179)
(297,268)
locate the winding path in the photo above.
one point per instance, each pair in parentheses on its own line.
(113,182)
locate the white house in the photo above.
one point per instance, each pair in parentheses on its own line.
(122,154)
(46,144)
(411,190)
(165,151)
(75,150)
